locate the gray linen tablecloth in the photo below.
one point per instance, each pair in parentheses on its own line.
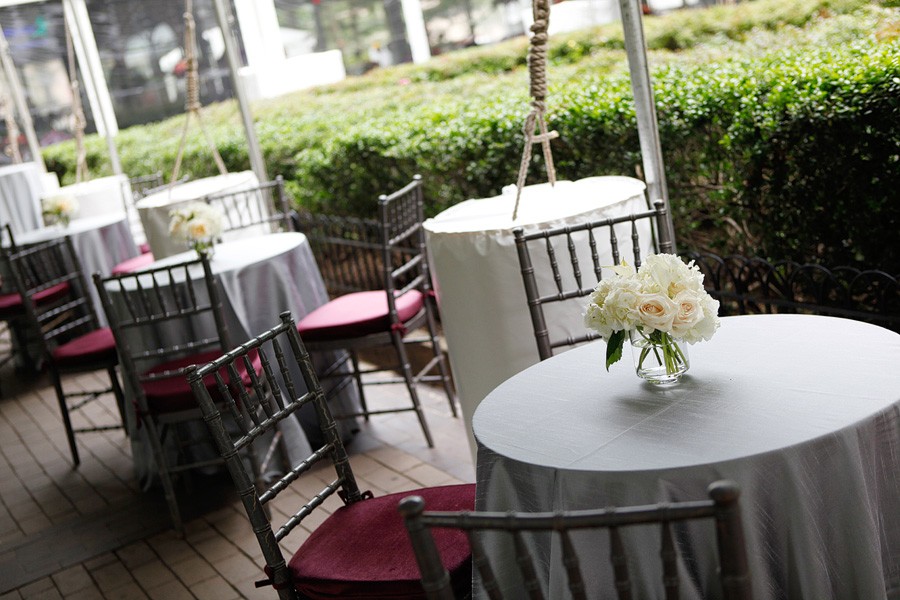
(803,412)
(101,242)
(21,187)
(154,210)
(479,287)
(259,279)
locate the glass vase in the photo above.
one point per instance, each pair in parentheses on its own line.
(204,248)
(658,357)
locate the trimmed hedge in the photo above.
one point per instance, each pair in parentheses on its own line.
(779,127)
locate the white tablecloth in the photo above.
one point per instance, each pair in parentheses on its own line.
(259,279)
(98,197)
(21,188)
(154,209)
(101,242)
(484,312)
(803,412)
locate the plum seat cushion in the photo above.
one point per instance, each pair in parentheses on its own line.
(11,304)
(93,348)
(133,264)
(363,551)
(357,314)
(173,394)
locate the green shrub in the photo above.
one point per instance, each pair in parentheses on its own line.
(779,128)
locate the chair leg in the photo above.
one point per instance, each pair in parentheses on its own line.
(119,395)
(64,411)
(354,360)
(153,435)
(411,384)
(442,358)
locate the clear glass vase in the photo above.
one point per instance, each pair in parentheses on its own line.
(658,357)
(204,248)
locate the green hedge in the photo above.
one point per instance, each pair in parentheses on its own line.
(779,125)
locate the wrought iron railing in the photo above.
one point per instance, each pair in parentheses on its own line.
(752,285)
(348,251)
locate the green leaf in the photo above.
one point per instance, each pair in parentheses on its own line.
(614,347)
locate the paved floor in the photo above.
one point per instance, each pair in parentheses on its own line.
(91,533)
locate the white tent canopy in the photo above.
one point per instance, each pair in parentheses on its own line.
(262,12)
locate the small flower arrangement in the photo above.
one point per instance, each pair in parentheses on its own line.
(660,304)
(198,224)
(59,208)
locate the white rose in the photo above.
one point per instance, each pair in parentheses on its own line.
(689,311)
(656,311)
(667,274)
(708,324)
(198,230)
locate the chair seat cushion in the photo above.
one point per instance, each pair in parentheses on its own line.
(54,292)
(11,304)
(363,551)
(173,394)
(357,314)
(133,264)
(96,347)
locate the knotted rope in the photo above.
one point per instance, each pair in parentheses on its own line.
(78,120)
(537,73)
(12,129)
(192,104)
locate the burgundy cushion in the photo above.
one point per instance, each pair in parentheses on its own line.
(11,304)
(174,393)
(144,248)
(133,264)
(355,315)
(92,348)
(52,293)
(362,550)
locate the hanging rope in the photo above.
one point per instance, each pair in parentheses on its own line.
(78,121)
(192,104)
(537,73)
(12,129)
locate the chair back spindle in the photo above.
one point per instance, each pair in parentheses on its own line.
(566,263)
(721,508)
(348,251)
(164,319)
(398,311)
(263,207)
(57,305)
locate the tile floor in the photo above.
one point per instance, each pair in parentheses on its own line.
(92,533)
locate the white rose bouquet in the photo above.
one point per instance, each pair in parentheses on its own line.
(658,305)
(59,208)
(198,224)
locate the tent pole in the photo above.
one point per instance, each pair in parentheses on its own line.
(15,85)
(76,19)
(645,108)
(256,158)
